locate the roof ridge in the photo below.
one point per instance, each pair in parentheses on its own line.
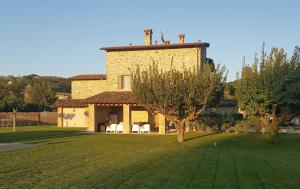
(159,46)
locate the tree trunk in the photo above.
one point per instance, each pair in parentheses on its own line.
(14,120)
(180,132)
(274,130)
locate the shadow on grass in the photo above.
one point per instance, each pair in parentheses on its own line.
(199,136)
(175,161)
(37,135)
(187,159)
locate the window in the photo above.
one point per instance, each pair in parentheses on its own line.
(126,82)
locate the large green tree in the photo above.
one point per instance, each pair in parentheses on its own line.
(30,93)
(11,93)
(39,94)
(179,95)
(270,89)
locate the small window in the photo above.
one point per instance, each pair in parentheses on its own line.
(126,82)
(73,109)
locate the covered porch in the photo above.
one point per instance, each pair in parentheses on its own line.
(112,109)
(124,118)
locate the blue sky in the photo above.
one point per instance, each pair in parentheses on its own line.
(63,37)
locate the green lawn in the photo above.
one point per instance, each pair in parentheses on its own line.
(68,159)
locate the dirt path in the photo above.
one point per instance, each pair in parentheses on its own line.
(14,146)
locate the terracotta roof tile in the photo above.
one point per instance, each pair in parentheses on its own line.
(112,97)
(153,47)
(71,103)
(89,77)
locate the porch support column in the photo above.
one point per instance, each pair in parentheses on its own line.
(126,118)
(162,124)
(92,117)
(60,117)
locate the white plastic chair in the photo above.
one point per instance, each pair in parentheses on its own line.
(135,128)
(111,128)
(120,127)
(145,128)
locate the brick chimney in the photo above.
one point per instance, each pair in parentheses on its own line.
(148,36)
(181,38)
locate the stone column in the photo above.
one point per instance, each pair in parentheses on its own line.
(162,124)
(126,118)
(60,117)
(92,117)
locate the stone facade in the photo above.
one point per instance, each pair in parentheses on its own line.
(74,117)
(122,62)
(82,89)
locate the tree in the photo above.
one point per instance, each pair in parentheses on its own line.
(11,94)
(179,95)
(31,92)
(39,93)
(270,89)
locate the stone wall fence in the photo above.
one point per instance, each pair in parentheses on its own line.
(30,118)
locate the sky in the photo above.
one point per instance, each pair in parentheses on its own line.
(63,37)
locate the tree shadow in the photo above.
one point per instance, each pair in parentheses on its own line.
(200,136)
(37,135)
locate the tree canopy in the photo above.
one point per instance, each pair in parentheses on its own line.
(30,93)
(270,89)
(179,95)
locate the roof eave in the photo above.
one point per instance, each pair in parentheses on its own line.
(155,47)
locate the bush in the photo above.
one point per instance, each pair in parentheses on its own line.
(217,121)
(249,125)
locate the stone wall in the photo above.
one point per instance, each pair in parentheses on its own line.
(85,88)
(139,116)
(120,62)
(75,117)
(29,118)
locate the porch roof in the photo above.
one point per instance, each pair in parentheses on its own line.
(71,103)
(112,97)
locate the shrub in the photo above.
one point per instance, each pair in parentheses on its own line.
(217,121)
(249,125)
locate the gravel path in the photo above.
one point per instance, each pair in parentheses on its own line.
(14,146)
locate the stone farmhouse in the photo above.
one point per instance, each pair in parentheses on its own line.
(98,100)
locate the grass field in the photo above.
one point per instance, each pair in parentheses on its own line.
(66,158)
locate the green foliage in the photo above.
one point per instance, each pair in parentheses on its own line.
(249,124)
(39,94)
(219,121)
(270,88)
(30,93)
(179,95)
(177,91)
(229,91)
(11,94)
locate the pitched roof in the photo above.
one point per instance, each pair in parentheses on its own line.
(154,47)
(71,103)
(89,77)
(112,97)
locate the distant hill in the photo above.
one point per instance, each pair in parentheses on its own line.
(31,92)
(59,84)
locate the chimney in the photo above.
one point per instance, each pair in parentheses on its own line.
(148,36)
(181,38)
